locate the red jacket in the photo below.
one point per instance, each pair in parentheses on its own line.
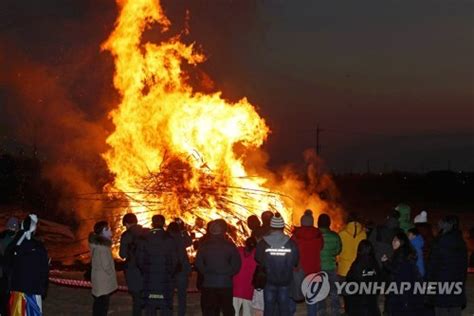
(243,287)
(310,242)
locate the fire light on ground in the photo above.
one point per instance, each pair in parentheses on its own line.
(180,152)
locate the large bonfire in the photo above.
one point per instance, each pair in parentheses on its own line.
(174,150)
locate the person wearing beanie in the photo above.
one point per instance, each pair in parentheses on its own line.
(7,237)
(307,219)
(332,248)
(28,269)
(218,260)
(278,255)
(426,231)
(277,222)
(309,240)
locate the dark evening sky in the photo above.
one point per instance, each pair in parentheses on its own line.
(389,81)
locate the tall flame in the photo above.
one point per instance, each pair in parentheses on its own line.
(173,150)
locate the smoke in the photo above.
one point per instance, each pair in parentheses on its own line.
(40,114)
(56,91)
(310,188)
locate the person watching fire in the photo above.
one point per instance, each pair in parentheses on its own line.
(218,260)
(128,251)
(157,259)
(278,255)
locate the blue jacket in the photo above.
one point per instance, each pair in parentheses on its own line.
(418,243)
(278,254)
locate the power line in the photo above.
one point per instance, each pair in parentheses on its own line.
(318,145)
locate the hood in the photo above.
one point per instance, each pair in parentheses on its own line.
(136,229)
(307,233)
(404,211)
(325,230)
(418,242)
(392,223)
(97,240)
(276,239)
(353,229)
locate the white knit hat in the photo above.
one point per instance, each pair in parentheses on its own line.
(277,221)
(421,218)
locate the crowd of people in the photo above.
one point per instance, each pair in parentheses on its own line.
(261,277)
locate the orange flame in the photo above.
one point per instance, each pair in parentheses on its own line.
(174,149)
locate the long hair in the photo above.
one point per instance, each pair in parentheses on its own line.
(406,250)
(100,226)
(366,252)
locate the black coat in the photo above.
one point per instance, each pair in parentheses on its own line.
(404,269)
(158,261)
(29,268)
(182,241)
(129,244)
(448,262)
(363,270)
(218,260)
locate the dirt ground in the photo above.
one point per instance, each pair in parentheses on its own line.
(75,301)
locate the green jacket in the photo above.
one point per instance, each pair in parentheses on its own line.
(332,248)
(405,219)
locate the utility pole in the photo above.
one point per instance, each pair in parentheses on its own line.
(318,145)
